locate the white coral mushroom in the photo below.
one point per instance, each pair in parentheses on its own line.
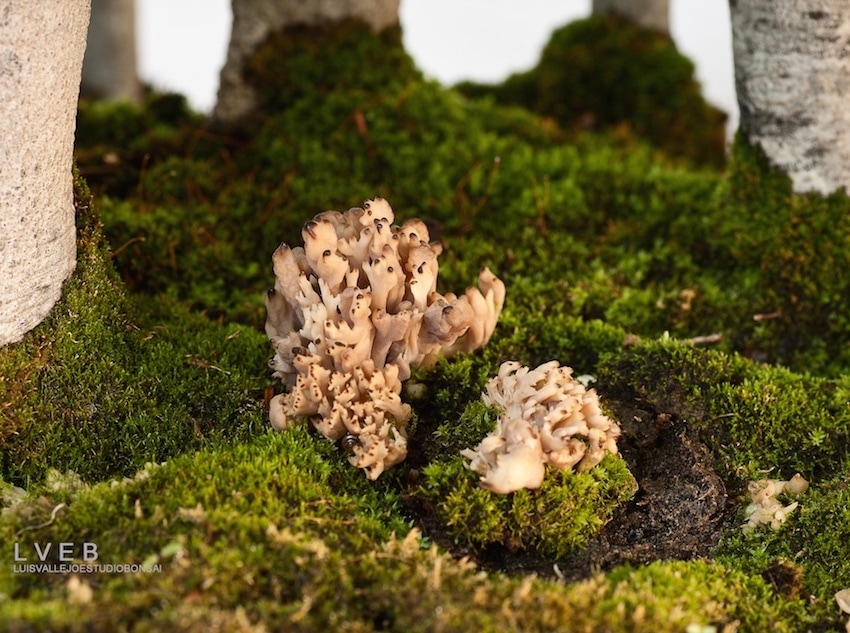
(349,315)
(547,417)
(765,508)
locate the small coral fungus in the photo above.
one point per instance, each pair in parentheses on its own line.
(547,418)
(351,312)
(765,508)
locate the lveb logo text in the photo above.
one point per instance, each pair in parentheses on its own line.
(65,552)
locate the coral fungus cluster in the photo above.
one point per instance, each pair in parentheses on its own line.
(351,312)
(547,417)
(765,508)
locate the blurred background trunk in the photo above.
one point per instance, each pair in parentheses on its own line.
(109,65)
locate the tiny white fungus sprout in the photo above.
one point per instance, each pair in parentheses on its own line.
(765,508)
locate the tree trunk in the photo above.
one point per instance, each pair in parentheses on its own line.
(255,20)
(42,44)
(792,75)
(650,14)
(109,65)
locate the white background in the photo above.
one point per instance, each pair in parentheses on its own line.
(183,43)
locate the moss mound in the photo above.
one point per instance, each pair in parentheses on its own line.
(101,387)
(755,418)
(606,73)
(345,57)
(555,519)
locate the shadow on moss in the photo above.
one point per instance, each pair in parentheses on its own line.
(117,141)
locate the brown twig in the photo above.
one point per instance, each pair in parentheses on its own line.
(138,238)
(707,338)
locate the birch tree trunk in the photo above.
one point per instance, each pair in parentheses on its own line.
(650,14)
(792,75)
(109,65)
(41,56)
(255,20)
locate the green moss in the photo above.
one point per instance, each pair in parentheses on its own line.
(259,534)
(798,244)
(559,517)
(100,390)
(638,599)
(604,72)
(802,541)
(254,520)
(755,418)
(317,62)
(117,141)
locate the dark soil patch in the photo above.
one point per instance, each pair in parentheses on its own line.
(679,509)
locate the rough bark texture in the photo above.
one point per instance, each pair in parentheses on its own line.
(792,74)
(255,20)
(109,65)
(41,56)
(651,14)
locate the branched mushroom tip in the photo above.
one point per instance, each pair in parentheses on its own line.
(351,311)
(547,417)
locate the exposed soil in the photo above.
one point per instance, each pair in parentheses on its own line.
(680,506)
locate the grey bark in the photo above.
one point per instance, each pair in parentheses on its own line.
(651,14)
(109,65)
(255,20)
(792,75)
(41,55)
